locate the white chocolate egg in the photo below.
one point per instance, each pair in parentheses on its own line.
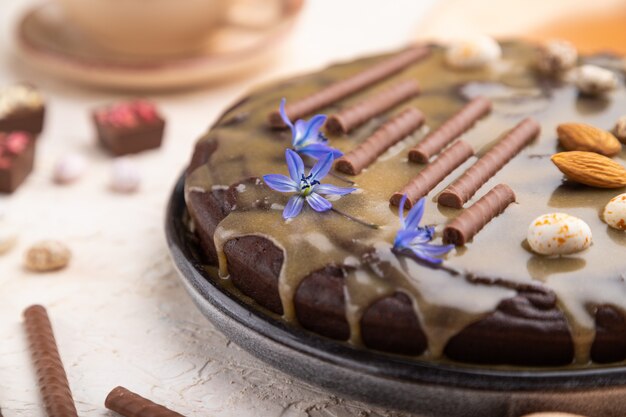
(125,176)
(558,234)
(473,52)
(69,168)
(615,212)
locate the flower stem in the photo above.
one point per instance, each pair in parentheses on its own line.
(363,222)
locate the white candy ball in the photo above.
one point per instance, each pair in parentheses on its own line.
(473,52)
(558,234)
(615,212)
(125,176)
(593,80)
(69,168)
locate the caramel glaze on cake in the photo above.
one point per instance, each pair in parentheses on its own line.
(492,301)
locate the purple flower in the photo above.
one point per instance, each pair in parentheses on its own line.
(414,239)
(307,187)
(306,136)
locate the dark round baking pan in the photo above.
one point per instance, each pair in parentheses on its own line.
(430,389)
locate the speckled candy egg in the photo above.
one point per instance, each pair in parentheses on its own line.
(615,212)
(558,234)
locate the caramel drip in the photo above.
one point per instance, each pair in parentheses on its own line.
(462,229)
(451,129)
(341,89)
(385,137)
(461,190)
(433,174)
(53,384)
(129,404)
(354,116)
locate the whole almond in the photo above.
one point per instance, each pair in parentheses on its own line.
(583,137)
(591,169)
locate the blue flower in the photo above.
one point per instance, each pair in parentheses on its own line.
(306,136)
(414,239)
(307,187)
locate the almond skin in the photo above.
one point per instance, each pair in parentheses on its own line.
(583,137)
(591,169)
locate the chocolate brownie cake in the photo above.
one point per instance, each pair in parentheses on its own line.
(491,259)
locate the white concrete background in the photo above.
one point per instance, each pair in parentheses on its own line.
(119,313)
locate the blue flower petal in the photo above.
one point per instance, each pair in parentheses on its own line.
(401,210)
(293,207)
(426,257)
(318,203)
(299,133)
(283,114)
(415,214)
(434,250)
(319,150)
(313,127)
(329,189)
(295,165)
(280,183)
(321,167)
(404,238)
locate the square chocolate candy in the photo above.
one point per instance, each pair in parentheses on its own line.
(17,156)
(22,108)
(129,127)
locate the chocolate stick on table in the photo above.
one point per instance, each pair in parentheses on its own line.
(461,190)
(451,129)
(433,174)
(129,404)
(460,230)
(354,116)
(340,89)
(390,133)
(55,389)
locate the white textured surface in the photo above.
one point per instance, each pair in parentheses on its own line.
(119,313)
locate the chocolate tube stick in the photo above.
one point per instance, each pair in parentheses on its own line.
(129,404)
(390,133)
(461,190)
(53,384)
(340,89)
(450,130)
(474,218)
(354,116)
(433,174)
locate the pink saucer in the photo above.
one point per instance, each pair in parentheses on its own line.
(48,41)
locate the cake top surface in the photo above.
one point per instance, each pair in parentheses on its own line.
(360,229)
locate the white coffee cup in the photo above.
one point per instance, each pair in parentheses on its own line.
(147,27)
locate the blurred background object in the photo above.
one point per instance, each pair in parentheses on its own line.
(129,46)
(593,26)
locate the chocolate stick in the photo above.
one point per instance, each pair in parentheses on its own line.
(450,130)
(433,174)
(474,218)
(343,88)
(461,190)
(354,116)
(53,384)
(129,404)
(390,133)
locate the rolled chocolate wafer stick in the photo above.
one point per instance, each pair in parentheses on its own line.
(340,89)
(129,404)
(354,116)
(461,190)
(53,384)
(450,130)
(460,230)
(433,174)
(390,133)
